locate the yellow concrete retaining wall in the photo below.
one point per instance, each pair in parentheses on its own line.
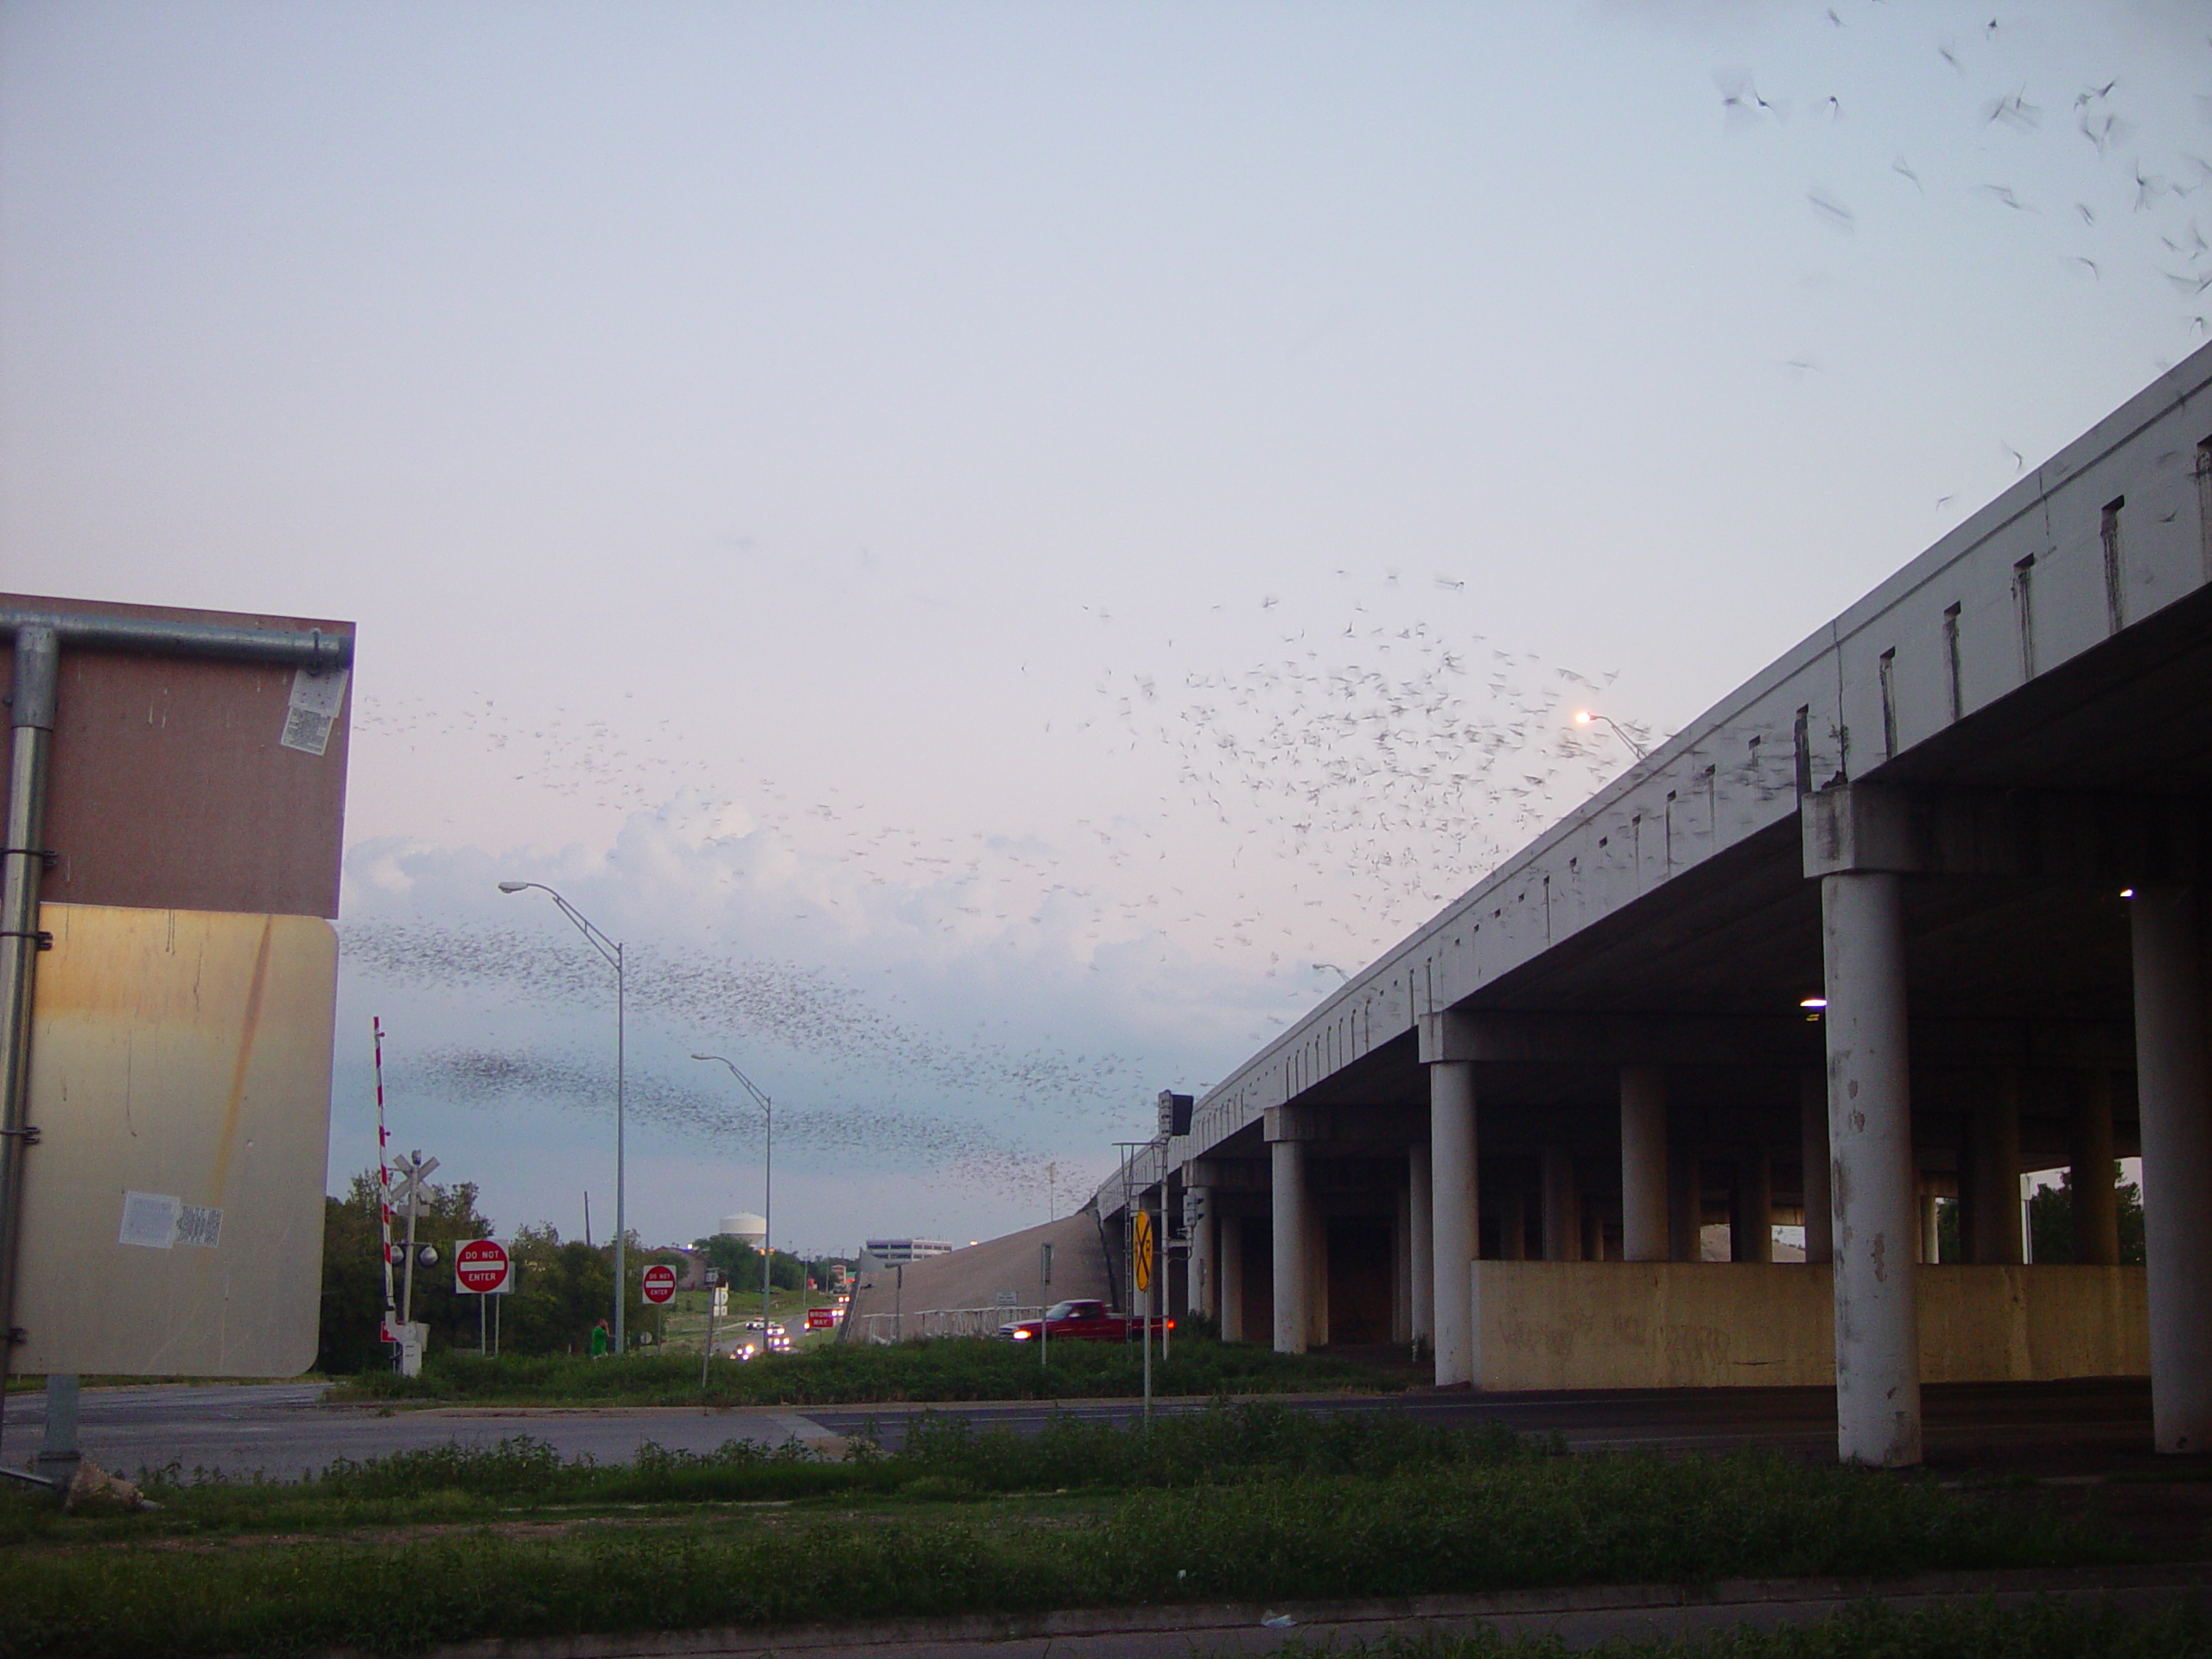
(1638,1325)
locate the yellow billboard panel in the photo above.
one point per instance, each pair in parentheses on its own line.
(181,1088)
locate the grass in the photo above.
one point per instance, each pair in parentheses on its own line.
(36,1384)
(2049,1630)
(1243,1502)
(951,1369)
(943,1458)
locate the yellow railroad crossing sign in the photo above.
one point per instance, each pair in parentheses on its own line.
(1141,1241)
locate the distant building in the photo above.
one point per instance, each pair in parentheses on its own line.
(891,1251)
(692,1274)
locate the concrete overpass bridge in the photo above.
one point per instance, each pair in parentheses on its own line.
(1968,815)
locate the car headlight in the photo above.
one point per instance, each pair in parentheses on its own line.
(1021,1336)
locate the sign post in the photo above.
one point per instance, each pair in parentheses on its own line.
(414,1174)
(1142,1239)
(1044,1312)
(482,1268)
(717,1301)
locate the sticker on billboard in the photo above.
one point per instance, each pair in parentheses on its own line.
(315,700)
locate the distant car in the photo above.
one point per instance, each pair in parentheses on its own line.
(1080,1322)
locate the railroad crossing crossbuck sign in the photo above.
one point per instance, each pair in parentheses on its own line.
(1142,1242)
(410,1181)
(660,1283)
(480,1267)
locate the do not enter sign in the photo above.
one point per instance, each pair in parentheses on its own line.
(480,1266)
(660,1283)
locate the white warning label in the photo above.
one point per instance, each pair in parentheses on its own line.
(316,699)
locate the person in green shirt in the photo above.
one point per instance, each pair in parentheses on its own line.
(600,1340)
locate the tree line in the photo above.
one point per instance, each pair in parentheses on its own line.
(562,1287)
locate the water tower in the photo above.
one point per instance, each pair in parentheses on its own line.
(745,1227)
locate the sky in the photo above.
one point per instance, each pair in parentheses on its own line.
(1003,549)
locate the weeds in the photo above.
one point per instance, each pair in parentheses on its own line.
(1247,1502)
(2049,1630)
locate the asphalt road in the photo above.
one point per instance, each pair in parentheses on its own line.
(280,1430)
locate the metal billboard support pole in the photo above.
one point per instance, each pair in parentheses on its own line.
(38,662)
(59,1456)
(38,637)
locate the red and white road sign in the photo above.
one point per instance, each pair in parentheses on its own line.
(480,1266)
(660,1283)
(820,1318)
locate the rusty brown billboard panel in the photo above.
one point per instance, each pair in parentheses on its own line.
(178,1097)
(170,786)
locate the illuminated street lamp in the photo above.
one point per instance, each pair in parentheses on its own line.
(612,950)
(1583,717)
(767,1188)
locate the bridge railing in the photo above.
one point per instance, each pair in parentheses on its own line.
(884,1328)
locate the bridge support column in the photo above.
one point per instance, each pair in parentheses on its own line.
(1293,1225)
(2096,1201)
(1812,1131)
(1870,1132)
(1228,1299)
(1562,1214)
(1512,1226)
(1421,1248)
(1401,1266)
(2176,1102)
(1643,1164)
(1453,1219)
(1686,1203)
(1991,1186)
(1751,1215)
(1205,1295)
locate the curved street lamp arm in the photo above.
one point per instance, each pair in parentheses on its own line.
(749,1086)
(600,942)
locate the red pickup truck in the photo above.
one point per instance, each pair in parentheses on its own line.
(1081,1322)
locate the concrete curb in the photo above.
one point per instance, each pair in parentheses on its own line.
(1580,1617)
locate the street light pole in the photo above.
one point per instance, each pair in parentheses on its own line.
(612,950)
(767,1187)
(1583,717)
